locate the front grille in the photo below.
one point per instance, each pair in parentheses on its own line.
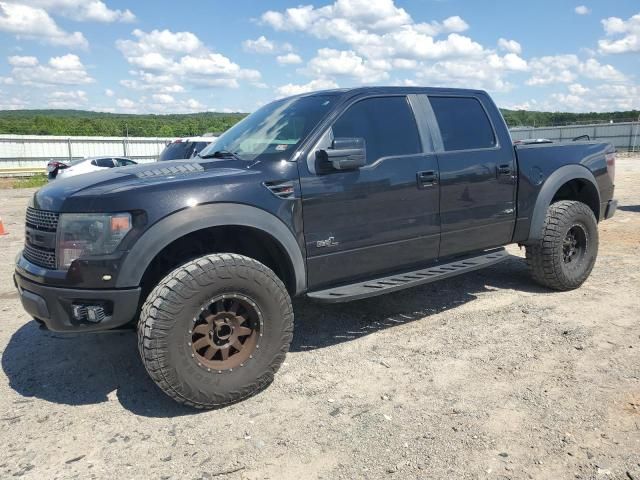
(39,245)
(40,256)
(42,220)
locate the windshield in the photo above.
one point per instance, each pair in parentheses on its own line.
(274,129)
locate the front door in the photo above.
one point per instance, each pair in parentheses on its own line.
(380,217)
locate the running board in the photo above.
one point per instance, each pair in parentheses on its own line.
(392,283)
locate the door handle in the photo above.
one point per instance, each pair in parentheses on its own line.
(427,178)
(504,169)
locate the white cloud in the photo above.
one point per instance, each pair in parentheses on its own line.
(83,10)
(627,33)
(159,103)
(374,14)
(171,89)
(125,103)
(166,60)
(330,62)
(109,93)
(13,103)
(289,59)
(22,61)
(66,62)
(582,10)
(259,45)
(68,99)
(377,28)
(160,41)
(157,83)
(296,89)
(578,98)
(29,22)
(487,72)
(454,24)
(577,89)
(63,70)
(602,98)
(595,70)
(381,38)
(195,105)
(567,68)
(510,46)
(163,98)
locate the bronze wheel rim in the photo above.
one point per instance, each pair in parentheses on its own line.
(226,333)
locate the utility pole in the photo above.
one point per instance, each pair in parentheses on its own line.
(635,139)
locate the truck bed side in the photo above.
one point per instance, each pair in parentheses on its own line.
(543,171)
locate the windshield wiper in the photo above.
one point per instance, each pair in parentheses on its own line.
(221,154)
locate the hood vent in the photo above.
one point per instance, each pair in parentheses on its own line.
(182,169)
(281,189)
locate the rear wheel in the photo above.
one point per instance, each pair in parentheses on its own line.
(564,257)
(215,330)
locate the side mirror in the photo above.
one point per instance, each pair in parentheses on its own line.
(345,153)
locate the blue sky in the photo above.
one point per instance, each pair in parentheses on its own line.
(168,57)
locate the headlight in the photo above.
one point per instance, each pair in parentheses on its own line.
(81,234)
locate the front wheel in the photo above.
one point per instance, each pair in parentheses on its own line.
(215,330)
(564,257)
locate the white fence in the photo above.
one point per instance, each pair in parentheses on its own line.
(31,152)
(34,151)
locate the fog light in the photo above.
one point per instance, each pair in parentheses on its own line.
(89,313)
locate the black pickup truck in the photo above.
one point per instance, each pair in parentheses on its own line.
(337,195)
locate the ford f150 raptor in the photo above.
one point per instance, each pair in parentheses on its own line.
(337,195)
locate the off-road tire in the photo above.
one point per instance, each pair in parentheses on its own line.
(546,257)
(169,312)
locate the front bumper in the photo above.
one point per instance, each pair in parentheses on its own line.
(53,305)
(612,205)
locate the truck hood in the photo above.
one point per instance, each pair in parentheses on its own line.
(77,193)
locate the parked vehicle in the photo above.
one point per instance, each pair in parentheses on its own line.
(185,148)
(93,164)
(54,166)
(347,194)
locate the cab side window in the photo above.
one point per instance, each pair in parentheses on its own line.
(387,125)
(463,123)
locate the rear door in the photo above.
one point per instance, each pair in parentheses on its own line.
(382,216)
(477,173)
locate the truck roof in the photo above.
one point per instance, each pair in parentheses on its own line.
(394,89)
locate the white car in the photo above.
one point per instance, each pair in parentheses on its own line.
(94,164)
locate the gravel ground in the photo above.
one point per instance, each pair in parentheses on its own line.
(480,376)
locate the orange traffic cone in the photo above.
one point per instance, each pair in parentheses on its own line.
(2,230)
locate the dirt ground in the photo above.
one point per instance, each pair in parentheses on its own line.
(480,376)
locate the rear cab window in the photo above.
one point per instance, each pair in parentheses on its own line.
(463,122)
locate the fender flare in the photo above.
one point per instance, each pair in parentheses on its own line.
(550,187)
(183,222)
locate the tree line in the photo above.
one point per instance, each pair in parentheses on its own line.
(84,123)
(525,118)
